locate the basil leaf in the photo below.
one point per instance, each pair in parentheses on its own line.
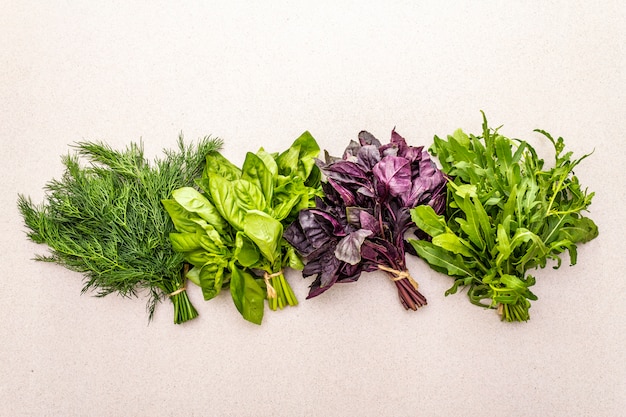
(225,200)
(349,247)
(217,164)
(246,253)
(211,276)
(181,218)
(194,202)
(185,242)
(269,161)
(247,295)
(256,172)
(265,232)
(299,159)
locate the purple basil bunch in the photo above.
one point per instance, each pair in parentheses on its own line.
(361,222)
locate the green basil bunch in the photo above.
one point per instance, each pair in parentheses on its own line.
(231,230)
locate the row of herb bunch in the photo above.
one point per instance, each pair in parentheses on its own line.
(485,215)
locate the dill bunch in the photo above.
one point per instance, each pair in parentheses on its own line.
(104,218)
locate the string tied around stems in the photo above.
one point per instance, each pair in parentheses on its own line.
(271,291)
(183,286)
(178,291)
(398,275)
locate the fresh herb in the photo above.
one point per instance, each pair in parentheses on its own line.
(506,214)
(361,222)
(231,232)
(105,220)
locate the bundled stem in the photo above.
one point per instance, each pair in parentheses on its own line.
(409,295)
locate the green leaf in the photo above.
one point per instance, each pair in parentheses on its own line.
(299,159)
(503,153)
(226,201)
(211,240)
(265,232)
(285,204)
(292,259)
(248,196)
(211,277)
(451,242)
(461,137)
(291,196)
(503,244)
(182,219)
(580,230)
(470,225)
(193,275)
(484,222)
(308,147)
(288,161)
(314,179)
(246,252)
(185,242)
(464,190)
(427,220)
(269,161)
(217,164)
(200,257)
(256,172)
(194,202)
(247,295)
(454,265)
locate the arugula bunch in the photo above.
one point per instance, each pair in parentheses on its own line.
(231,231)
(104,218)
(506,214)
(361,223)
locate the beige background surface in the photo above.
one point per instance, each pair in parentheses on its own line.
(260,75)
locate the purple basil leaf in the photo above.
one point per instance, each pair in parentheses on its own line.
(295,236)
(347,196)
(328,159)
(368,156)
(424,189)
(368,222)
(349,248)
(329,222)
(366,192)
(438,202)
(366,138)
(393,176)
(411,153)
(349,273)
(328,273)
(351,152)
(347,172)
(427,167)
(361,222)
(362,219)
(388,150)
(315,231)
